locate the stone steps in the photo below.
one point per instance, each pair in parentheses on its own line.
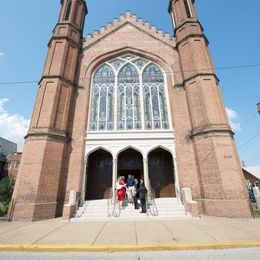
(98,210)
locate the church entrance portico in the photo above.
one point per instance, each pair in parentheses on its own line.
(143,159)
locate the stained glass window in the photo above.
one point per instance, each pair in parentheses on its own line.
(152,74)
(116,63)
(117,88)
(104,75)
(128,99)
(102,109)
(128,74)
(155,108)
(140,63)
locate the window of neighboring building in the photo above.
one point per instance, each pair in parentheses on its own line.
(8,166)
(128,93)
(16,165)
(67,10)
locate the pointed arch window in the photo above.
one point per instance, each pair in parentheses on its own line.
(128,94)
(102,110)
(129,116)
(67,10)
(155,110)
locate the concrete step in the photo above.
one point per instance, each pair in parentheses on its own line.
(97,210)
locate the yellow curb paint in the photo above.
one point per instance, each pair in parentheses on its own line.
(126,248)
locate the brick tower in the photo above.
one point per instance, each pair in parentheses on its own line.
(222,188)
(38,192)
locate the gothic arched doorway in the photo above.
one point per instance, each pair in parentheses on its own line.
(161,173)
(99,175)
(130,161)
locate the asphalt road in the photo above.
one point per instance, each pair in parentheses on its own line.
(227,254)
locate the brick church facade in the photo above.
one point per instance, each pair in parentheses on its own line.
(129,99)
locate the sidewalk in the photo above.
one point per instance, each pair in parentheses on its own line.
(103,236)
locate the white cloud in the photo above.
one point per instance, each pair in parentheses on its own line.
(232,115)
(13,127)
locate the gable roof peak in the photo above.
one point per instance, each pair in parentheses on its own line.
(129,17)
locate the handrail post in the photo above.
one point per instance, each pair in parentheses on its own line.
(114,176)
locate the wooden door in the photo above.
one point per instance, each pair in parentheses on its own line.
(99,176)
(161,173)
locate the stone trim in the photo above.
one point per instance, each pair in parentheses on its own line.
(199,74)
(72,42)
(52,135)
(57,77)
(189,20)
(209,131)
(200,35)
(69,24)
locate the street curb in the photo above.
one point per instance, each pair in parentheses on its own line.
(126,247)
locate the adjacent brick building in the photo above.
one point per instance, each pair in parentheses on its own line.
(250,177)
(12,164)
(129,99)
(6,147)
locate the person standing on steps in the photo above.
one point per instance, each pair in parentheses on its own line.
(120,190)
(131,191)
(142,191)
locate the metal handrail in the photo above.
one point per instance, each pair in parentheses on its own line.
(10,213)
(109,201)
(78,201)
(116,208)
(183,201)
(112,200)
(152,206)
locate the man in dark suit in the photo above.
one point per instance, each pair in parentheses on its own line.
(142,191)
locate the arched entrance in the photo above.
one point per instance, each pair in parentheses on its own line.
(161,173)
(130,161)
(99,175)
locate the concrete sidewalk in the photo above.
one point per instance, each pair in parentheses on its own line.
(60,235)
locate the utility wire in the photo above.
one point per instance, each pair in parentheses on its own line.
(248,141)
(190,71)
(249,120)
(18,82)
(243,135)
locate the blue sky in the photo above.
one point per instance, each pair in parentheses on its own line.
(232,28)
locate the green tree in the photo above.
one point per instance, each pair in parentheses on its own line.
(6,191)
